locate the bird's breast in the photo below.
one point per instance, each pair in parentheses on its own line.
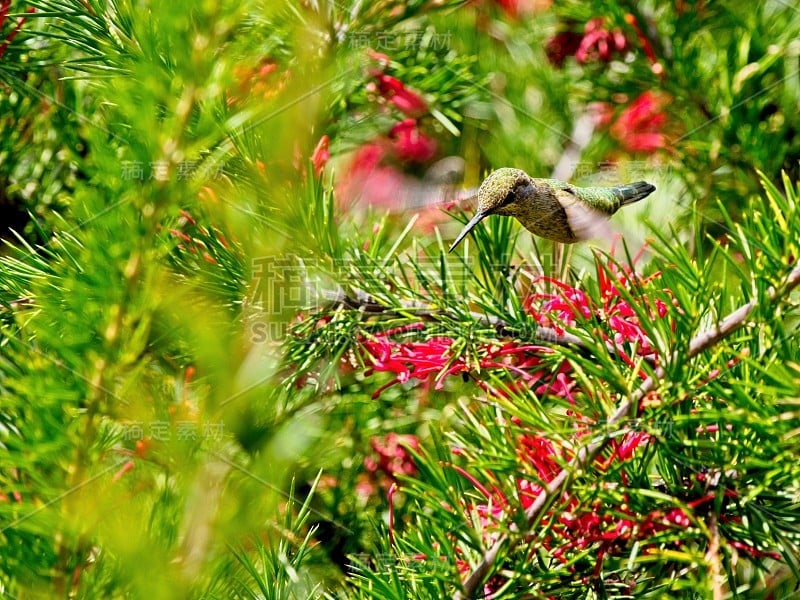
(541,213)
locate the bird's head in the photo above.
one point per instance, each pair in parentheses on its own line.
(497,195)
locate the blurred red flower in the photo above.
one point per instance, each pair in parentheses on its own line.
(515,8)
(373,175)
(410,144)
(263,79)
(599,43)
(595,44)
(392,456)
(394,91)
(601,112)
(367,158)
(368,179)
(321,154)
(562,45)
(639,127)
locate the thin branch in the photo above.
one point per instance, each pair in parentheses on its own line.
(366,304)
(586,454)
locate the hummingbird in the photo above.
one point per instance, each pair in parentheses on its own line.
(551,208)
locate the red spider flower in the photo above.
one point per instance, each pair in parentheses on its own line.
(595,43)
(392,456)
(599,43)
(433,358)
(321,154)
(573,526)
(368,179)
(373,175)
(395,92)
(540,453)
(639,126)
(410,144)
(623,329)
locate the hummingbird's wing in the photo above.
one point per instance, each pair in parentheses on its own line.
(585,222)
(440,185)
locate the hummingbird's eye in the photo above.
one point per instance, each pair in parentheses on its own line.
(514,193)
(508,199)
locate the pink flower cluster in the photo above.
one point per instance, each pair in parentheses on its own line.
(640,125)
(568,305)
(373,174)
(391,455)
(407,143)
(396,93)
(595,44)
(564,307)
(572,527)
(433,359)
(598,43)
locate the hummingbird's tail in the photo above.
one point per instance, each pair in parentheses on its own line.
(632,192)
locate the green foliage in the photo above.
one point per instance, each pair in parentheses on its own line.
(224,375)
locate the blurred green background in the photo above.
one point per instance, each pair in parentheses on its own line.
(182,183)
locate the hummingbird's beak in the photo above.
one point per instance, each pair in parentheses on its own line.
(467,228)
